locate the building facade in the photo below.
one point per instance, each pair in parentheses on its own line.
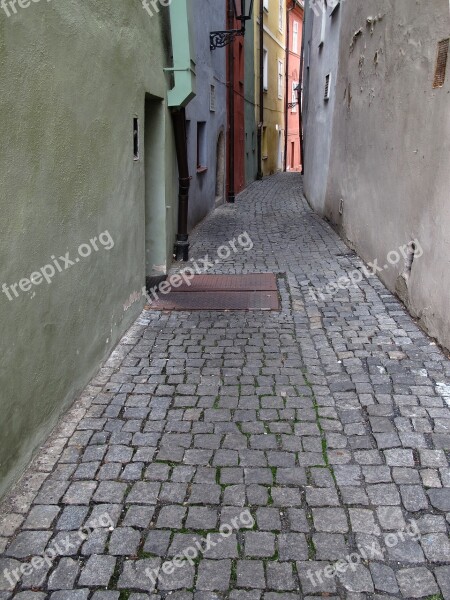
(272,81)
(207,113)
(294,21)
(371,77)
(90,194)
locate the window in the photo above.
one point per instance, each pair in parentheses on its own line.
(266,5)
(201,146)
(294,96)
(327,86)
(265,69)
(280,79)
(441,64)
(212,98)
(280,14)
(295,38)
(334,5)
(135,138)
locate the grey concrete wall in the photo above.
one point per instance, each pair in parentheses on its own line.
(74,74)
(390,149)
(318,113)
(210,70)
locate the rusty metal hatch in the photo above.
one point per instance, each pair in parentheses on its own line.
(441,64)
(253,291)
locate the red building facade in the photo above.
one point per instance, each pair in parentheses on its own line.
(295,15)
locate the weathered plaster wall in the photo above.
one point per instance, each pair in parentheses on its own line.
(74,74)
(390,148)
(210,70)
(320,60)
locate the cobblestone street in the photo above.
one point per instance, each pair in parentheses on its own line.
(308,446)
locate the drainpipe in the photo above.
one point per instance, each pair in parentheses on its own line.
(300,94)
(261,87)
(177,98)
(231,194)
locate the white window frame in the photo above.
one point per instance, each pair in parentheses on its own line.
(295,37)
(212,98)
(280,78)
(265,69)
(280,15)
(266,5)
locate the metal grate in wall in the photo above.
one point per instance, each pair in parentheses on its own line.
(441,64)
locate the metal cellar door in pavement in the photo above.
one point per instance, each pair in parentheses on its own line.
(254,291)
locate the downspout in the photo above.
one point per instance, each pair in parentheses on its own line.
(231,194)
(178,97)
(261,87)
(300,94)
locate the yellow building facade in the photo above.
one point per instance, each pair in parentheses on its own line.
(273,81)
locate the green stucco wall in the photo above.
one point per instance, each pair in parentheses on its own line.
(73,76)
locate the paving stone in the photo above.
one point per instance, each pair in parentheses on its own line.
(138,516)
(259,544)
(97,571)
(29,543)
(443,578)
(250,574)
(124,541)
(436,547)
(200,517)
(292,546)
(63,577)
(72,518)
(329,546)
(313,580)
(268,519)
(157,542)
(440,499)
(413,498)
(279,576)
(416,583)
(70,595)
(134,575)
(331,520)
(41,517)
(383,578)
(214,575)
(357,578)
(403,551)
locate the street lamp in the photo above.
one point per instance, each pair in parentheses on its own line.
(243,10)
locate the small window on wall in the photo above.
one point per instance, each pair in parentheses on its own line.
(265,69)
(295,38)
(327,87)
(212,98)
(280,14)
(266,5)
(135,138)
(201,146)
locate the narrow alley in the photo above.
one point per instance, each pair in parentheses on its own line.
(263,455)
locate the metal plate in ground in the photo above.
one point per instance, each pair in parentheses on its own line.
(254,291)
(250,282)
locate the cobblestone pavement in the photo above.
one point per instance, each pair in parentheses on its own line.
(318,434)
